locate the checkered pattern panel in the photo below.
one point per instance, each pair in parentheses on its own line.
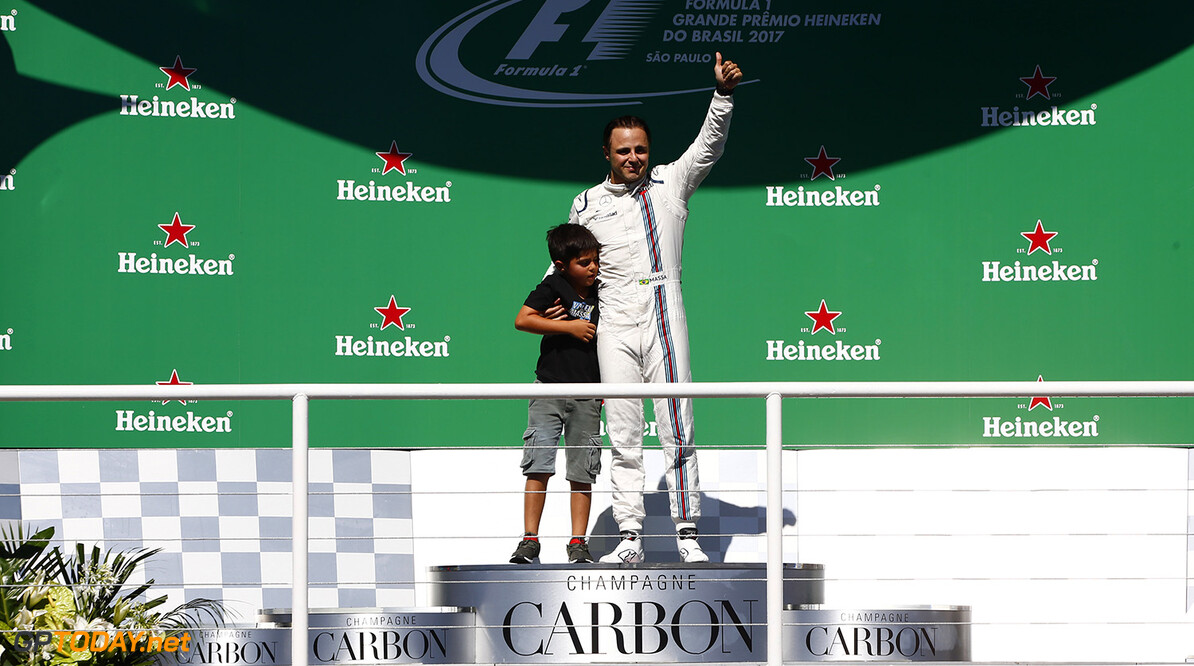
(223,519)
(10,487)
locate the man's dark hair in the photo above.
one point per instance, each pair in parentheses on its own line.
(625,122)
(568,241)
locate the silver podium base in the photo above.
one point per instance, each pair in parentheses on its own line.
(910,633)
(603,613)
(340,636)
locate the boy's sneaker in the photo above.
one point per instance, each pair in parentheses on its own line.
(527,551)
(629,550)
(690,549)
(578,552)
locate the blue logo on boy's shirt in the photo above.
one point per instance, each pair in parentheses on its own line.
(581,310)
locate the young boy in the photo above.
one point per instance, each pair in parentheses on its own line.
(568,353)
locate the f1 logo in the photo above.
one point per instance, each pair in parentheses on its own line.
(614,32)
(543,28)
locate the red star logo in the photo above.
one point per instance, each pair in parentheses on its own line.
(174,382)
(1043,402)
(822,164)
(178,74)
(1038,84)
(392,314)
(823,319)
(394,159)
(176,231)
(1039,239)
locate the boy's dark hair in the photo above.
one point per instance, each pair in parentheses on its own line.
(625,122)
(568,241)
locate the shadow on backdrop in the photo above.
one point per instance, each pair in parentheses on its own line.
(721,522)
(911,84)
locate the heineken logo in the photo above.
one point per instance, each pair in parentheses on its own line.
(392,314)
(349,189)
(1038,239)
(1040,401)
(130,420)
(1038,87)
(178,74)
(650,429)
(393,159)
(996,427)
(1038,84)
(1048,426)
(823,319)
(174,381)
(1056,271)
(177,233)
(822,164)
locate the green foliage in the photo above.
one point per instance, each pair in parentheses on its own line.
(47,589)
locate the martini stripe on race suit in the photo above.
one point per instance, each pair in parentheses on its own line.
(669,356)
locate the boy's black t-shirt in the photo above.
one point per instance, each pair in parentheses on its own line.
(562,357)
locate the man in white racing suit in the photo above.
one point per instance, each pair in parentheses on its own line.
(638,216)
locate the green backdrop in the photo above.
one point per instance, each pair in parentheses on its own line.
(956,127)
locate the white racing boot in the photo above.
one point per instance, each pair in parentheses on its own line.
(690,549)
(629,550)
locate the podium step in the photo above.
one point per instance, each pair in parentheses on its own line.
(910,633)
(346,636)
(602,613)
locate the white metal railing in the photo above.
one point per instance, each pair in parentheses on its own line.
(772,392)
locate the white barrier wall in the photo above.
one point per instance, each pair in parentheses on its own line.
(1063,554)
